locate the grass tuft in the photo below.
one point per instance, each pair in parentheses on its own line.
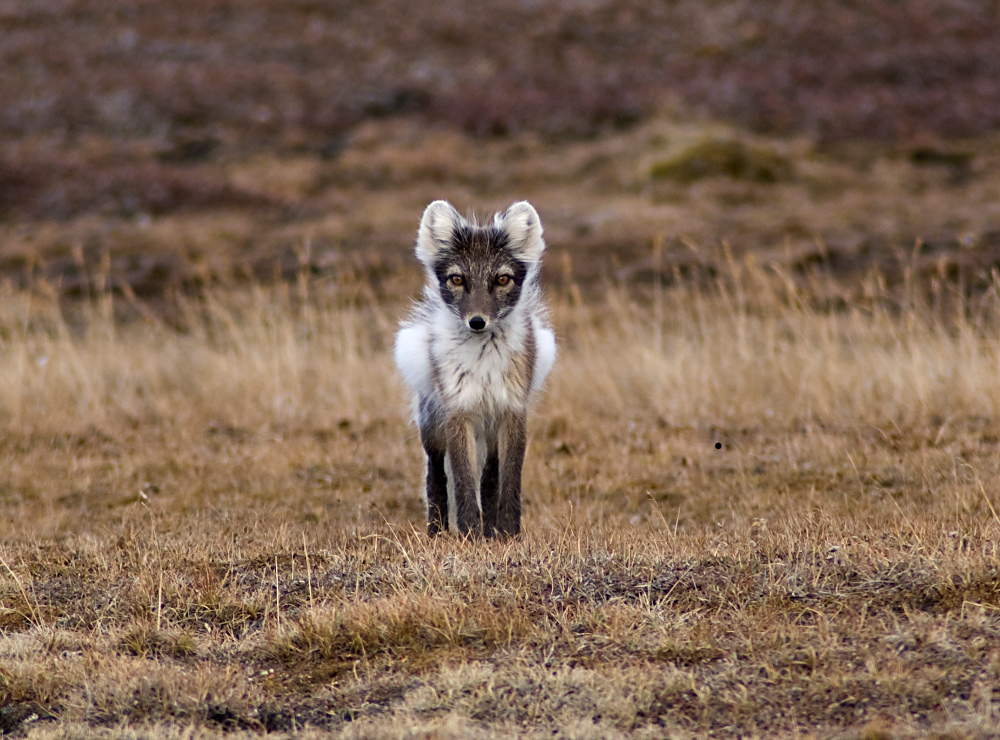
(724,158)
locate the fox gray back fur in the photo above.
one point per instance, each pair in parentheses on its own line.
(474,352)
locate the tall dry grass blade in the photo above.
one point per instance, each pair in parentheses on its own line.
(36,618)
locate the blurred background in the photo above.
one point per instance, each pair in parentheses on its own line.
(189,143)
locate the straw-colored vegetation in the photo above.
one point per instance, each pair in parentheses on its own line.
(761,490)
(216,525)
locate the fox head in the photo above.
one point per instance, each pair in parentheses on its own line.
(480,272)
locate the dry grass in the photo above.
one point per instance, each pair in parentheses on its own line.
(761,490)
(214,526)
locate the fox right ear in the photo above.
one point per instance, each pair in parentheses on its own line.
(437,227)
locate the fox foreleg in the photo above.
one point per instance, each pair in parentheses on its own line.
(489,490)
(437,491)
(464,474)
(511,445)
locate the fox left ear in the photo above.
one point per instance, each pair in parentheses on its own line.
(524,228)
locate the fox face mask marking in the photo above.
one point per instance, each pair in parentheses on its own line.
(480,270)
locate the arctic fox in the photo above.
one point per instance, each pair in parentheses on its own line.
(474,352)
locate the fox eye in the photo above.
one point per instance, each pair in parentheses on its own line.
(503,280)
(456,280)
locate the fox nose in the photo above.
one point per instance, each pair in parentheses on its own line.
(477,323)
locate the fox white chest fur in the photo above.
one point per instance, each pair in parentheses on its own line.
(475,352)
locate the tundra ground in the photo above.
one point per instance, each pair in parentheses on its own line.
(748,512)
(761,490)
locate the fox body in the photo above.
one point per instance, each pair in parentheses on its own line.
(474,352)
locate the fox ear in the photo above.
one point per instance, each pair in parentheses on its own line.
(436,229)
(524,228)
